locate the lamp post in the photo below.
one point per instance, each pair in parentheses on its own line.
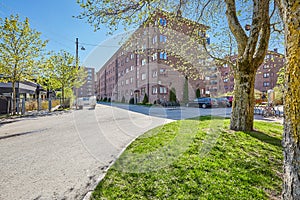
(77,66)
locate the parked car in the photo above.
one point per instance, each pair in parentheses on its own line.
(168,103)
(223,102)
(205,102)
(230,99)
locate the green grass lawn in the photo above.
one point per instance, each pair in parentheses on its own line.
(198,159)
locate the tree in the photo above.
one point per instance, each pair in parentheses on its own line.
(146,99)
(66,75)
(198,94)
(251,48)
(20,46)
(185,97)
(46,74)
(172,96)
(290,14)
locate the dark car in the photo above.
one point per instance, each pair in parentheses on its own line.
(223,102)
(206,102)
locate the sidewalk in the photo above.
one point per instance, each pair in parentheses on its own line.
(269,119)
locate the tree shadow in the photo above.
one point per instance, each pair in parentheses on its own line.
(265,138)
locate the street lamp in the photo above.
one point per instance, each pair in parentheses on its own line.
(77,66)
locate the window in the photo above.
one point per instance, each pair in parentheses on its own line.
(225,66)
(226,80)
(266,75)
(131,80)
(126,81)
(127,59)
(162,90)
(154,56)
(201,34)
(163,21)
(143,90)
(163,38)
(127,70)
(266,66)
(144,61)
(131,67)
(266,84)
(154,39)
(131,56)
(162,71)
(143,76)
(163,55)
(154,90)
(154,74)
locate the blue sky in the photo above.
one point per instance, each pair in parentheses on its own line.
(54,19)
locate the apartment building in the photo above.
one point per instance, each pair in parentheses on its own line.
(266,75)
(88,88)
(163,54)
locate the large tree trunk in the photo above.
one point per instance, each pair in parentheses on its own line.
(290,11)
(243,103)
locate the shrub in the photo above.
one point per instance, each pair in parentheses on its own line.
(131,100)
(146,99)
(198,93)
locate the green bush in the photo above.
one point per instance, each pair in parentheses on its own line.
(131,100)
(198,93)
(146,99)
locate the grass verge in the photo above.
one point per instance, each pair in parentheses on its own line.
(198,159)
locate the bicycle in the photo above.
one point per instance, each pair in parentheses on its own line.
(269,111)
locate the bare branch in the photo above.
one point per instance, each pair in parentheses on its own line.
(264,37)
(235,26)
(221,60)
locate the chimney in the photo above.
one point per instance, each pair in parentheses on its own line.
(276,50)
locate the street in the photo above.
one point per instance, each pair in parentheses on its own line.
(61,156)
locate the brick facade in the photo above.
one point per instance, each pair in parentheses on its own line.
(88,88)
(161,55)
(266,76)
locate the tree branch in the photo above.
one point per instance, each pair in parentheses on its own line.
(235,26)
(265,35)
(255,29)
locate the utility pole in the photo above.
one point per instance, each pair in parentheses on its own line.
(77,67)
(77,53)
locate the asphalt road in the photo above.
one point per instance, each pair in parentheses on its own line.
(62,156)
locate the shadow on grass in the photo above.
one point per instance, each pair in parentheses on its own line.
(255,134)
(207,118)
(265,138)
